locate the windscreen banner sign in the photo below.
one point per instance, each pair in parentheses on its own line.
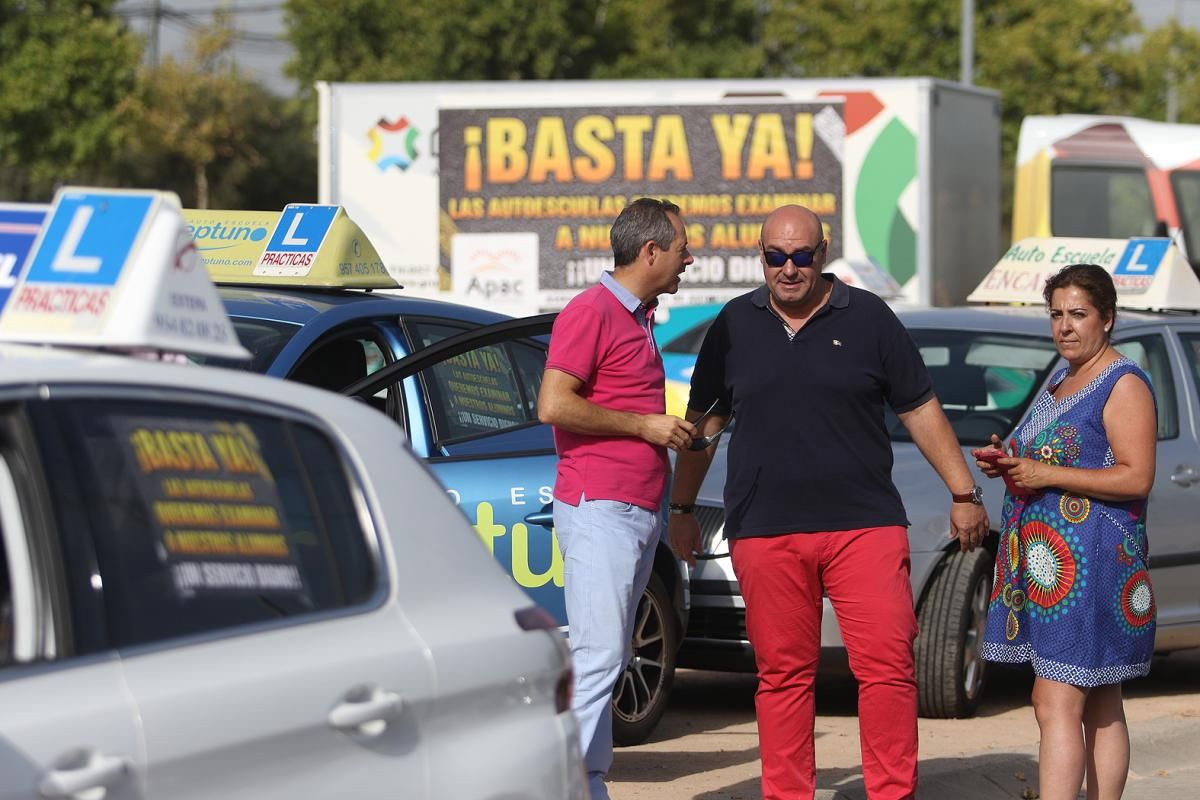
(564,174)
(212,499)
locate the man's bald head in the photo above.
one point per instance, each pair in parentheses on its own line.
(791,222)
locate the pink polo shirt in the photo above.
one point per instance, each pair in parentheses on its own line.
(609,346)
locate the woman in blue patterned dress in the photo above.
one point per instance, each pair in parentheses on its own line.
(1071,595)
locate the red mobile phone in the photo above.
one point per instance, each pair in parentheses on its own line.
(988,454)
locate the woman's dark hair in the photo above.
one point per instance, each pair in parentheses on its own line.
(1094,280)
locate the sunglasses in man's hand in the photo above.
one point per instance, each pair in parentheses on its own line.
(705,442)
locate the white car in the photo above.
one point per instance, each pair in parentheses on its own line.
(214,584)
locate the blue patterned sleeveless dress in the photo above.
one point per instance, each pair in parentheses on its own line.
(1072,594)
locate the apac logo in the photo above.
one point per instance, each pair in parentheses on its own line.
(393,144)
(494,274)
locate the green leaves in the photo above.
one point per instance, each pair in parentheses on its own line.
(65,67)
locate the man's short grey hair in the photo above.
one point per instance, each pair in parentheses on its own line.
(643,220)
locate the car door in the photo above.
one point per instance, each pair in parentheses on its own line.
(470,404)
(470,409)
(68,726)
(248,602)
(1175,496)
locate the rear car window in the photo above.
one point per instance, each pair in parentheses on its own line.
(206,519)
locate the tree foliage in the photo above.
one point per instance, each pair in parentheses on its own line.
(65,67)
(1169,55)
(1070,56)
(379,40)
(206,131)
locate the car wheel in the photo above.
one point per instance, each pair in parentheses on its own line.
(642,690)
(951,671)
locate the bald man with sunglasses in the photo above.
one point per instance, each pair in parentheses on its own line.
(807,364)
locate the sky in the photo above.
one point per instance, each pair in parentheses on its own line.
(261,50)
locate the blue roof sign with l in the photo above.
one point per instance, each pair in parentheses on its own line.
(89,237)
(20,224)
(1135,270)
(84,244)
(298,235)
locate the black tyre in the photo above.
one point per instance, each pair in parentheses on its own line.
(642,690)
(951,672)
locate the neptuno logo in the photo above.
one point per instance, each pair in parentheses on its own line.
(393,144)
(206,236)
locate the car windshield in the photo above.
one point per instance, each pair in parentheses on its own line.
(985,381)
(264,338)
(1187,193)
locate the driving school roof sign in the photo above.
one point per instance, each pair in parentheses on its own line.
(1148,273)
(117,269)
(315,246)
(20,224)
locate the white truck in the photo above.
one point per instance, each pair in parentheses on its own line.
(501,193)
(1114,177)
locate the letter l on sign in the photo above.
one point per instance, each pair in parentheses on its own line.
(290,238)
(66,259)
(1135,263)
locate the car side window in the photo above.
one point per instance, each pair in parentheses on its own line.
(1191,347)
(483,391)
(337,363)
(207,519)
(1150,353)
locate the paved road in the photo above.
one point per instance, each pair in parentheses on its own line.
(706,747)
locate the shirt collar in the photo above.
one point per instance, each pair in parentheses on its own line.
(839,298)
(625,297)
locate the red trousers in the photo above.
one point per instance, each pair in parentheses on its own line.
(866,575)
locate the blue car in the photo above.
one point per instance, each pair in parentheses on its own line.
(463,382)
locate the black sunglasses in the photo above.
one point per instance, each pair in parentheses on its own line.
(704,442)
(801,258)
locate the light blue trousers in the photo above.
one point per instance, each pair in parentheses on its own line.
(608,554)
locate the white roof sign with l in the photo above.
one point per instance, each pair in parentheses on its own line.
(118,269)
(1148,273)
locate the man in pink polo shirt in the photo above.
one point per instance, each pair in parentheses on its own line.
(603,391)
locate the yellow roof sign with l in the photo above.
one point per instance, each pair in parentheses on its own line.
(311,246)
(1148,273)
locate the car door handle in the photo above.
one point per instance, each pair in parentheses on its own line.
(362,707)
(545,517)
(94,771)
(1185,476)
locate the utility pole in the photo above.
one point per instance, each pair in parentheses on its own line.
(155,19)
(967,64)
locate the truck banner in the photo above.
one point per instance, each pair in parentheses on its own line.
(527,195)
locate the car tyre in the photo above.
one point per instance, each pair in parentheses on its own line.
(643,689)
(951,672)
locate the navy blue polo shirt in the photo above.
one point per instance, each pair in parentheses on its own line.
(810,452)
